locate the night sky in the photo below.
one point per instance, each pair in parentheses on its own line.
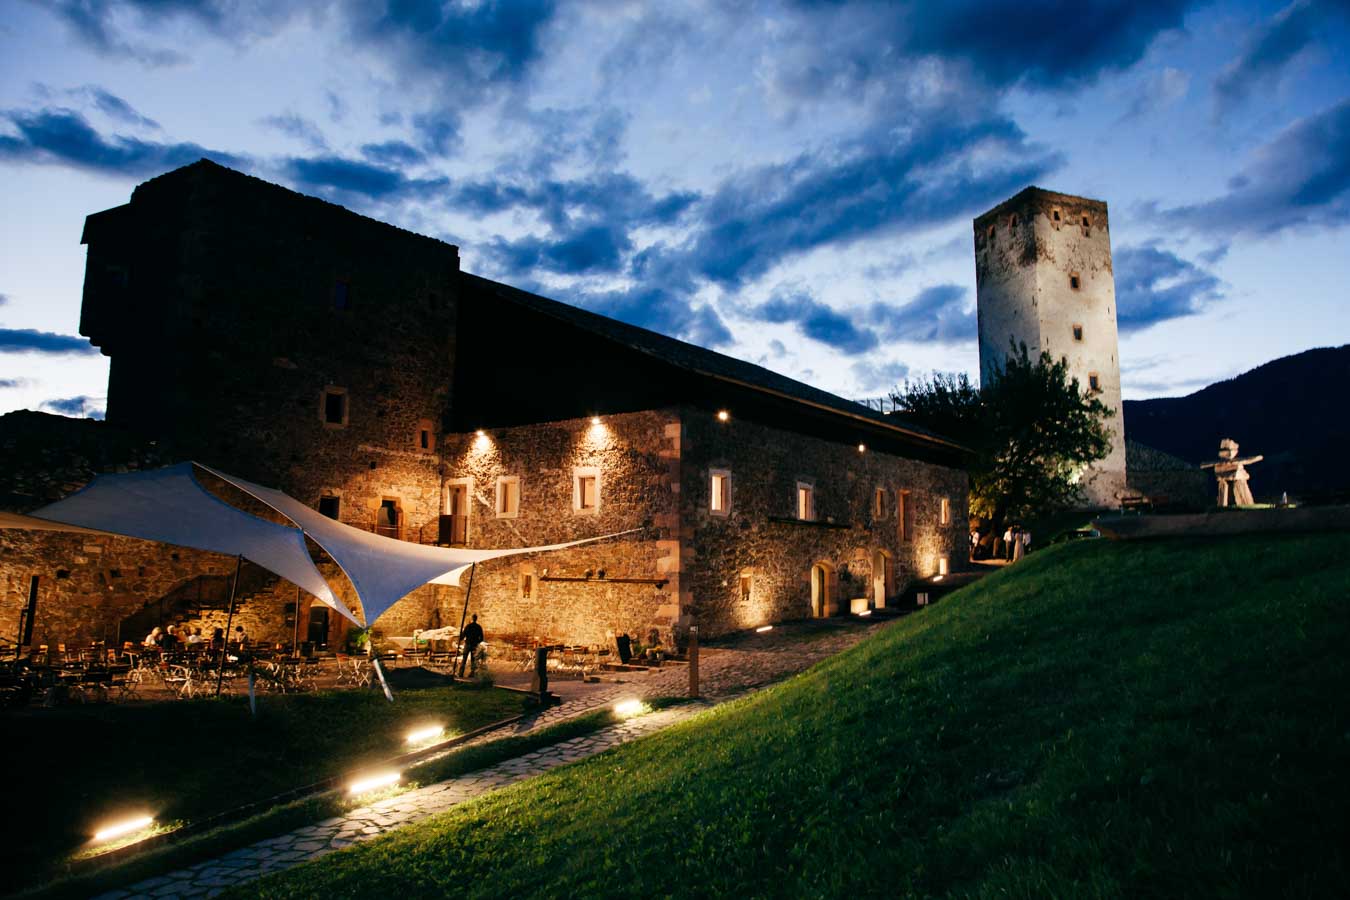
(791,183)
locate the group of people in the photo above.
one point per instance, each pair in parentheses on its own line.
(1012,546)
(189,637)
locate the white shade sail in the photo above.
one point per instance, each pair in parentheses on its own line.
(383,570)
(170,506)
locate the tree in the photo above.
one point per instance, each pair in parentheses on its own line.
(1033,430)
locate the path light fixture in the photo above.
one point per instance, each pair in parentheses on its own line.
(373,782)
(862,448)
(865,612)
(630,707)
(124,828)
(723,415)
(763,628)
(425,735)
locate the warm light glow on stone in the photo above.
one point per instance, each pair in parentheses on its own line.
(595,420)
(482,442)
(942,566)
(862,448)
(121,829)
(373,782)
(763,628)
(425,735)
(630,707)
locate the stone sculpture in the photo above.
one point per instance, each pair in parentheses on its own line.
(1232,474)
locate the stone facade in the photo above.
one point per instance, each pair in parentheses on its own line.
(352,365)
(1044,278)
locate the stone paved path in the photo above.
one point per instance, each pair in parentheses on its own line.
(726,671)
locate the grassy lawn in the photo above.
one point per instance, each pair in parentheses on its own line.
(1103,719)
(71,769)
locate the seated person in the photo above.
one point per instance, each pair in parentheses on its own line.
(194,638)
(218,638)
(152,639)
(240,637)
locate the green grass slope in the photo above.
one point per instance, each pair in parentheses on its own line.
(1103,719)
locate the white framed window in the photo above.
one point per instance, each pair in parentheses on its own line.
(508,496)
(945,512)
(879,503)
(719,496)
(586,490)
(806,501)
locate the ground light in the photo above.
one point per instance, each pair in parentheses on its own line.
(124,828)
(631,707)
(373,782)
(425,735)
(763,628)
(723,415)
(865,612)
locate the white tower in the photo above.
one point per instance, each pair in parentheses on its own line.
(1043,277)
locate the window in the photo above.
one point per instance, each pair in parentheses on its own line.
(806,502)
(330,506)
(1094,383)
(508,496)
(586,490)
(879,503)
(424,438)
(333,407)
(719,499)
(991,231)
(903,511)
(454,522)
(389,518)
(1012,221)
(747,585)
(945,512)
(1074,281)
(342,295)
(1077,332)
(1054,215)
(527,582)
(1086,223)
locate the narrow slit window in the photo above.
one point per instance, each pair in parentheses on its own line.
(335,407)
(903,511)
(879,504)
(1074,281)
(1078,332)
(508,497)
(586,490)
(1094,382)
(527,585)
(945,512)
(806,502)
(719,502)
(991,232)
(747,586)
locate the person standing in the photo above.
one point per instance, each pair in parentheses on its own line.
(473,636)
(1007,543)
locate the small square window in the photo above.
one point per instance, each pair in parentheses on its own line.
(330,506)
(1074,281)
(806,502)
(508,497)
(719,500)
(334,408)
(1078,332)
(586,490)
(1094,383)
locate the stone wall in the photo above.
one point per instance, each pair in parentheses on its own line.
(761,537)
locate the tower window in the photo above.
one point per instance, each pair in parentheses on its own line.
(342,295)
(1094,383)
(719,503)
(806,502)
(330,506)
(1086,223)
(747,587)
(333,409)
(1078,332)
(879,503)
(991,231)
(1012,221)
(1074,281)
(424,438)
(1054,214)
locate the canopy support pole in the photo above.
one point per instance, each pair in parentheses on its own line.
(464,615)
(225,650)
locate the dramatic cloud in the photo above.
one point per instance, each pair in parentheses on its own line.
(1302,177)
(28,340)
(817,321)
(63,137)
(1154,285)
(1163,89)
(892,182)
(12,382)
(936,315)
(115,107)
(326,174)
(100,23)
(1272,46)
(393,153)
(298,127)
(878,378)
(82,406)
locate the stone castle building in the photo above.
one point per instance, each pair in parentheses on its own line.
(1043,278)
(354,366)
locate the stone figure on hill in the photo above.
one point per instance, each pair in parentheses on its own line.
(1232,474)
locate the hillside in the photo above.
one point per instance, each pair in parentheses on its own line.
(1103,719)
(1291,410)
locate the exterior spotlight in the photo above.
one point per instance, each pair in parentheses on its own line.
(630,707)
(865,612)
(723,415)
(763,628)
(120,829)
(862,448)
(373,782)
(425,735)
(942,566)
(595,420)
(480,433)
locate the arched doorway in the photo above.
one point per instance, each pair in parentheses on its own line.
(822,601)
(883,578)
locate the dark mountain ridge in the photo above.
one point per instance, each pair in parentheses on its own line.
(1292,410)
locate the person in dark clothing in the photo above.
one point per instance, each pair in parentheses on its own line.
(473,636)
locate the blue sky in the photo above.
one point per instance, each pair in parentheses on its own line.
(788,182)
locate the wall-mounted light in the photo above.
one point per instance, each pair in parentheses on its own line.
(763,628)
(723,415)
(595,420)
(482,441)
(862,448)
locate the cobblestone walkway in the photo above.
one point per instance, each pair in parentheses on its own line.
(726,671)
